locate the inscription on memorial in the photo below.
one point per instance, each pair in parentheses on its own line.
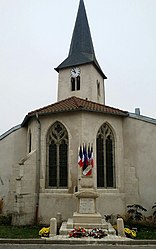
(87,206)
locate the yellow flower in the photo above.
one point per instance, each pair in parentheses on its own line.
(130,233)
(44,231)
(115,227)
(127,230)
(133,233)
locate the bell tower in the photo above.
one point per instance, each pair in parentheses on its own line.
(80,74)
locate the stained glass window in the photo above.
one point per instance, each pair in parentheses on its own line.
(105,154)
(57,156)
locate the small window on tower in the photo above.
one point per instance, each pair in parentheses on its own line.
(73,84)
(75,79)
(78,83)
(98,88)
(29,142)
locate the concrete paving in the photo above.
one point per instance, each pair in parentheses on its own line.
(65,240)
(55,246)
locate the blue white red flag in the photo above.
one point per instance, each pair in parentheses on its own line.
(80,157)
(85,163)
(85,159)
(92,157)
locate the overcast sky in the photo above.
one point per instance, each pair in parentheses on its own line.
(35,36)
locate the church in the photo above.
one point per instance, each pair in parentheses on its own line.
(39,159)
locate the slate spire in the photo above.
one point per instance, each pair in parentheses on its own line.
(81,39)
(81,48)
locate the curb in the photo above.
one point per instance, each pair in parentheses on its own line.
(77,241)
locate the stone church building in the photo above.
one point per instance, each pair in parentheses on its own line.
(39,158)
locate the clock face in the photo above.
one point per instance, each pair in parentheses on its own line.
(75,72)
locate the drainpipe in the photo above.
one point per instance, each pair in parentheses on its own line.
(38,166)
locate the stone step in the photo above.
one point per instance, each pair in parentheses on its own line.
(68,226)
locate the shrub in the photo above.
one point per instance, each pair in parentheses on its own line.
(6,219)
(154,213)
(135,212)
(1,205)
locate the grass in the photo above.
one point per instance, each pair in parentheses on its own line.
(29,232)
(148,233)
(144,231)
(14,232)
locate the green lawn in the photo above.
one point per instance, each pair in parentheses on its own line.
(13,232)
(26,232)
(146,233)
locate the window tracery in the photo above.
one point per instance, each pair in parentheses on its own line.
(105,154)
(57,156)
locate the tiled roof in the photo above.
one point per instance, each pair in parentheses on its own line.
(75,104)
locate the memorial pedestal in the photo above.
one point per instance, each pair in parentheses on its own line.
(87,215)
(88,221)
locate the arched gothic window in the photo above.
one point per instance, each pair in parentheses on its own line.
(57,156)
(105,155)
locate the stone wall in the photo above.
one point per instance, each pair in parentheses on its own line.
(23,172)
(12,149)
(140,162)
(89,78)
(82,129)
(27,179)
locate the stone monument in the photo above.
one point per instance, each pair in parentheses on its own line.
(86,214)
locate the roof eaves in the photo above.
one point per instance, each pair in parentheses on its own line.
(27,117)
(80,108)
(62,66)
(15,128)
(142,118)
(125,114)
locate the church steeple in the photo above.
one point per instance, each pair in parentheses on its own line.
(80,74)
(81,39)
(81,48)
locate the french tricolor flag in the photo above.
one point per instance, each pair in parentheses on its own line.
(80,157)
(91,157)
(85,159)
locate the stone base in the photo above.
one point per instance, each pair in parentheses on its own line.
(86,215)
(69,225)
(88,220)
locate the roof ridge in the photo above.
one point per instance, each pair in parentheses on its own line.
(72,104)
(75,99)
(99,104)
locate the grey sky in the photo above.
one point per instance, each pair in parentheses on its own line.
(35,37)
